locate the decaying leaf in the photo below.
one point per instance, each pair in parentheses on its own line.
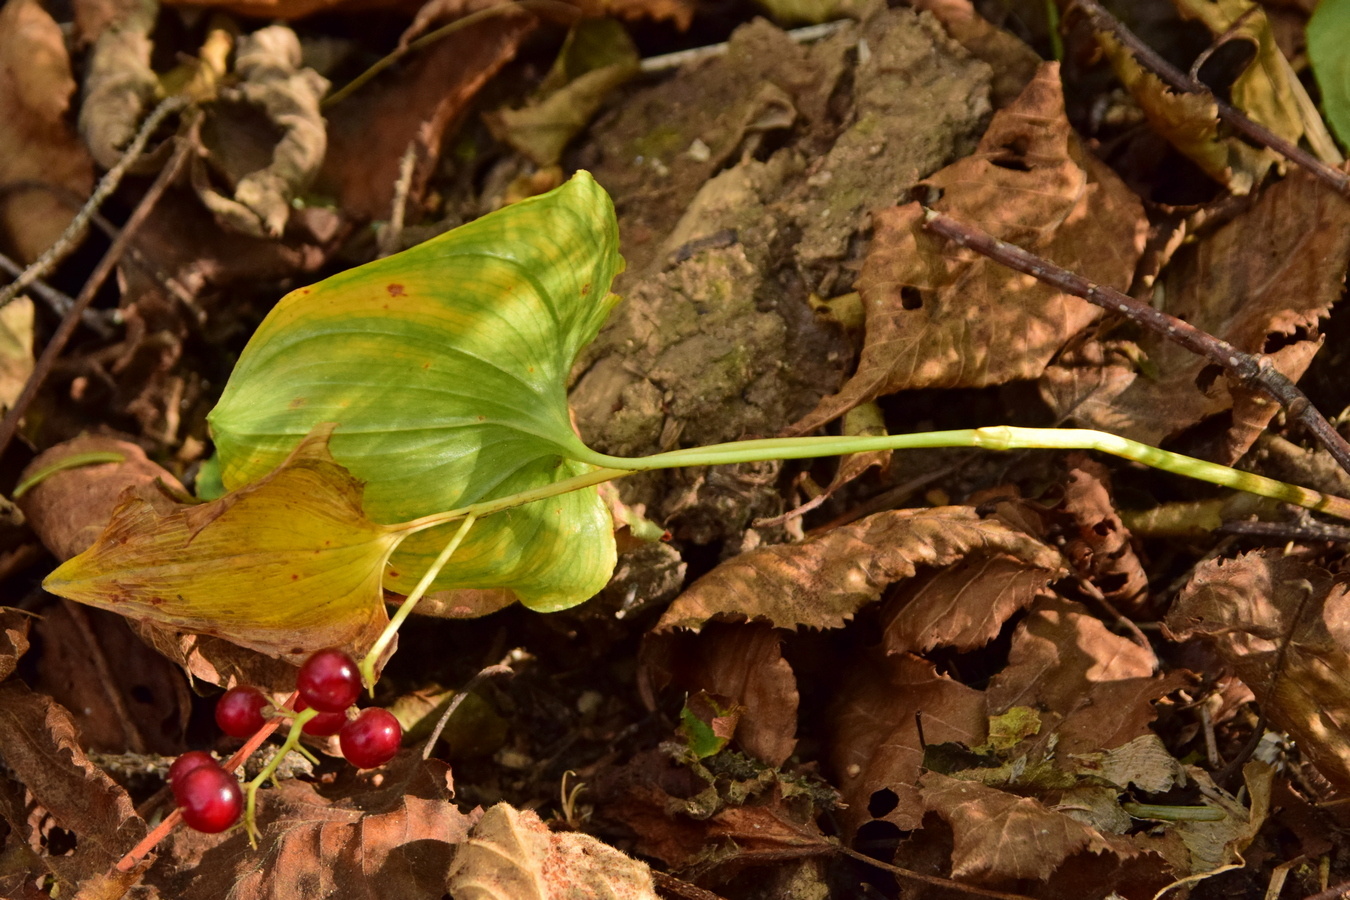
(1268,302)
(511,855)
(597,57)
(1096,689)
(415,105)
(284,565)
(120,86)
(824,580)
(1283,625)
(391,836)
(874,744)
(1013,61)
(39,744)
(13,640)
(273,83)
(742,662)
(37,143)
(16,349)
(937,318)
(1101,550)
(71,508)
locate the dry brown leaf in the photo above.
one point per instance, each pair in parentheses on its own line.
(13,639)
(39,744)
(824,580)
(415,105)
(1248,608)
(37,143)
(69,509)
(1214,845)
(874,741)
(742,662)
(999,836)
(1260,282)
(1190,122)
(511,855)
(391,836)
(16,349)
(937,318)
(964,605)
(1095,688)
(1101,551)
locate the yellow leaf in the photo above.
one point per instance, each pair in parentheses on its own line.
(284,566)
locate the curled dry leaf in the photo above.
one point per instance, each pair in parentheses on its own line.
(937,318)
(36,142)
(40,747)
(1283,625)
(244,567)
(1013,61)
(511,855)
(874,745)
(274,83)
(824,580)
(1264,303)
(1100,550)
(742,662)
(13,639)
(69,509)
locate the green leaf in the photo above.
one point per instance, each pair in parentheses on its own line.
(444,368)
(1328,37)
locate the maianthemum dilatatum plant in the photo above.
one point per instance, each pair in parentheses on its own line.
(404,426)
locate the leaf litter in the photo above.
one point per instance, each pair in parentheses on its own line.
(951,666)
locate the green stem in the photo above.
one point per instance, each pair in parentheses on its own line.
(368,662)
(998,437)
(292,742)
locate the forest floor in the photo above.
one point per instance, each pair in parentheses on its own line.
(928,673)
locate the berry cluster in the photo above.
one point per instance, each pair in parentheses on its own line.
(329,682)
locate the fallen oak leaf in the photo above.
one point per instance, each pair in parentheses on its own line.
(222,568)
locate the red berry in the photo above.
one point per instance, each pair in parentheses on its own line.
(325,724)
(371,739)
(210,799)
(329,681)
(239,712)
(193,759)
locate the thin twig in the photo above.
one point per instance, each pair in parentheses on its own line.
(1335,892)
(935,880)
(1103,21)
(58,301)
(44,364)
(74,232)
(490,672)
(392,235)
(1246,369)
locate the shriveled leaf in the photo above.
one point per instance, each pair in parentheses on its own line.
(1218,843)
(444,369)
(1328,35)
(874,744)
(824,580)
(70,508)
(511,855)
(1269,302)
(1248,608)
(37,143)
(937,318)
(1100,549)
(1143,762)
(282,566)
(40,747)
(13,639)
(1095,688)
(16,349)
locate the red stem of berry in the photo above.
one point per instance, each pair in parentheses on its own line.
(161,831)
